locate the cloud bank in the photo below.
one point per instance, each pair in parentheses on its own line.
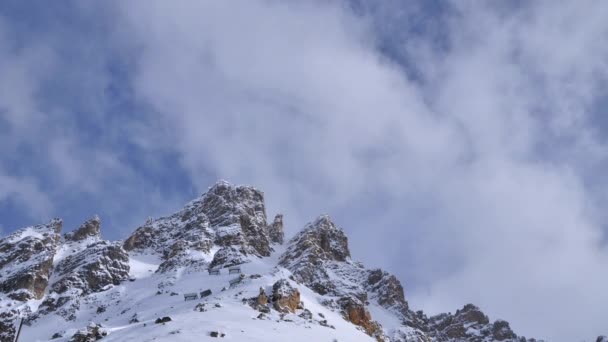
(465,142)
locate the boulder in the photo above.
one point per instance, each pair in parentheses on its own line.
(285,297)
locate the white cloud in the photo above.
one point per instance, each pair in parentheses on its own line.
(296,99)
(27,194)
(473,180)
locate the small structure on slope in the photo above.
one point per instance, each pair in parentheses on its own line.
(190,296)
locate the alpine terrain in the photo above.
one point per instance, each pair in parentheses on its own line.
(217,269)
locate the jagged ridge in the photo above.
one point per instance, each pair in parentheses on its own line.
(224,227)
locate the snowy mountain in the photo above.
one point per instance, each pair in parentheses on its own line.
(242,282)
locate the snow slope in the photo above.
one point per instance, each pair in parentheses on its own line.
(236,319)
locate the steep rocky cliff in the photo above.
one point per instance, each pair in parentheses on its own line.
(229,218)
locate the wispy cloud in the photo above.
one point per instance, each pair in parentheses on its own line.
(297,99)
(460,139)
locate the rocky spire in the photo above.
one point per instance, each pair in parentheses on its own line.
(89,229)
(320,246)
(275,230)
(322,239)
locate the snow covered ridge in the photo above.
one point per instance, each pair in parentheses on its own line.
(215,269)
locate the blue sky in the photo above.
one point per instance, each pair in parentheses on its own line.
(465,141)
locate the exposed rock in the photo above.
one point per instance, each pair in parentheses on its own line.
(232,220)
(275,230)
(319,258)
(322,240)
(262,299)
(228,256)
(468,324)
(285,298)
(231,217)
(216,334)
(90,270)
(305,314)
(200,307)
(26,260)
(8,320)
(408,334)
(502,331)
(89,229)
(162,320)
(601,339)
(355,312)
(93,332)
(387,290)
(312,252)
(134,319)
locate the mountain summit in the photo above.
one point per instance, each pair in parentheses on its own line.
(216,268)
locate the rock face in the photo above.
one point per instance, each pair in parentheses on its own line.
(26,260)
(230,217)
(90,270)
(275,231)
(312,252)
(262,299)
(89,229)
(467,324)
(355,312)
(285,297)
(90,265)
(93,332)
(319,258)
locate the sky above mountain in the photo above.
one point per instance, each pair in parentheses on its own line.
(461,145)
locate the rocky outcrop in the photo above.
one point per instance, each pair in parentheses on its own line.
(319,258)
(92,269)
(262,299)
(8,329)
(26,260)
(275,230)
(285,297)
(408,334)
(468,324)
(26,263)
(230,217)
(355,312)
(320,240)
(89,229)
(93,332)
(228,256)
(387,290)
(318,248)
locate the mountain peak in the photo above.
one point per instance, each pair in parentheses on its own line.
(89,229)
(324,238)
(83,278)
